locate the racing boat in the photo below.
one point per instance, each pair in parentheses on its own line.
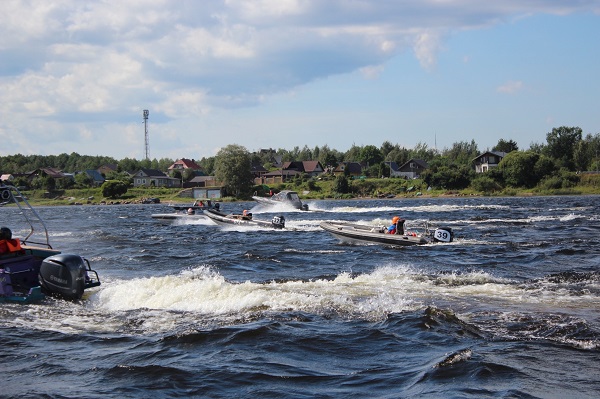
(30,268)
(359,233)
(285,197)
(188,212)
(244,219)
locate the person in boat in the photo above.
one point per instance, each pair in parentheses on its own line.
(7,243)
(246,215)
(397,226)
(191,211)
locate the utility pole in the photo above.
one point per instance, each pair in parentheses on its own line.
(146,113)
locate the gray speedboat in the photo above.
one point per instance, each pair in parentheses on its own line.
(359,233)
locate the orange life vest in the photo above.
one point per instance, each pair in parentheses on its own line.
(13,245)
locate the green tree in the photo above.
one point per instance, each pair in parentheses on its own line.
(341,185)
(485,184)
(586,152)
(422,151)
(233,169)
(462,152)
(371,155)
(562,142)
(83,180)
(305,154)
(208,165)
(450,177)
(113,188)
(385,148)
(518,168)
(506,146)
(353,154)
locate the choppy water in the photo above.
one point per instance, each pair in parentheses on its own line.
(508,310)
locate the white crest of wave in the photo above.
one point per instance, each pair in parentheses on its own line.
(204,291)
(388,289)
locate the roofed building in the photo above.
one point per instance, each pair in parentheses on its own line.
(154,178)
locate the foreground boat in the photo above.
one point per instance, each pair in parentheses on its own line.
(359,233)
(246,219)
(286,197)
(30,270)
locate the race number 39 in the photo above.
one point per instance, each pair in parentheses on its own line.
(442,235)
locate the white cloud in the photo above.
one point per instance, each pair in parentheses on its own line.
(510,87)
(426,47)
(66,62)
(372,72)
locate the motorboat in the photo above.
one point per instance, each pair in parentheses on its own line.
(244,219)
(188,211)
(198,205)
(360,233)
(286,197)
(188,215)
(30,268)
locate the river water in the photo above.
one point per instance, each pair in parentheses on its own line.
(510,309)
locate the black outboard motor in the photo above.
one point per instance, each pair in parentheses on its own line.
(305,207)
(66,276)
(278,222)
(443,234)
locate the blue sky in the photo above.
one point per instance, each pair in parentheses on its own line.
(75,76)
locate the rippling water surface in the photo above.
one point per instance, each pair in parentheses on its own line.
(509,309)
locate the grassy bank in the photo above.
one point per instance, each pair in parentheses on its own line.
(319,189)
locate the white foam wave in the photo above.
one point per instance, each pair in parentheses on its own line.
(388,289)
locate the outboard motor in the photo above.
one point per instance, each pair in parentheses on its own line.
(443,234)
(305,207)
(66,276)
(278,222)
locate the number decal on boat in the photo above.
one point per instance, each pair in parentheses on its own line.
(442,235)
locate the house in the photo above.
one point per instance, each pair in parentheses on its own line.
(412,169)
(488,160)
(277,176)
(350,168)
(7,178)
(312,168)
(202,181)
(183,164)
(258,170)
(96,176)
(154,178)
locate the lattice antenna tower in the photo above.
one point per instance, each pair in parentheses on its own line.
(147,144)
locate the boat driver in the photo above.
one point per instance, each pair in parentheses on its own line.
(397,226)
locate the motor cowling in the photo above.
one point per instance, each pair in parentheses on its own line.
(63,275)
(278,221)
(443,234)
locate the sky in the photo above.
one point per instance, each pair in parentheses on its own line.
(75,76)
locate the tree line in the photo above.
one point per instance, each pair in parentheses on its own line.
(565,152)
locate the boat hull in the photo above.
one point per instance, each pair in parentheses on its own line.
(178,216)
(223,219)
(357,233)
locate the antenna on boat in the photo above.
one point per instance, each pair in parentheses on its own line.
(146,113)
